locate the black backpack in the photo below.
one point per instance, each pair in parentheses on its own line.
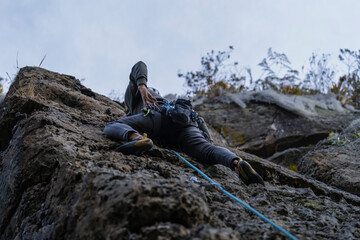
(181,112)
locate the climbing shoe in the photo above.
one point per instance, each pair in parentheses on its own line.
(135,146)
(247,174)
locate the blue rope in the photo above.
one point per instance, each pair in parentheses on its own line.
(237,199)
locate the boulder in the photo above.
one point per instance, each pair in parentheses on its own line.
(335,160)
(61,179)
(265,123)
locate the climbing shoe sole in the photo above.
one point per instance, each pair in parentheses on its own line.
(247,174)
(135,146)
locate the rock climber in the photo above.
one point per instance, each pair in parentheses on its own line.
(171,123)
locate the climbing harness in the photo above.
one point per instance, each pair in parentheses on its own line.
(146,110)
(217,185)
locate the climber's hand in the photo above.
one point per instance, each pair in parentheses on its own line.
(146,96)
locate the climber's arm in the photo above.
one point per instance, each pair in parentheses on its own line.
(137,89)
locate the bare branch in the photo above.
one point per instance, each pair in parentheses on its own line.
(42,60)
(17,59)
(9,76)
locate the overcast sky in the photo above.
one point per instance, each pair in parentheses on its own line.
(101,40)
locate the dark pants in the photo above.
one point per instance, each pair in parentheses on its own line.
(190,139)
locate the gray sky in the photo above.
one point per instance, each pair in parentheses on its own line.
(101,40)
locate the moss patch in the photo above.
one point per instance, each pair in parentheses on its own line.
(232,135)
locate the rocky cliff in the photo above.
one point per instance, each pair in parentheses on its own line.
(61,179)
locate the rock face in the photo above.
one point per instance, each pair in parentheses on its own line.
(61,179)
(336,160)
(290,157)
(265,123)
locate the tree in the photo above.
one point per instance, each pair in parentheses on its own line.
(215,72)
(279,75)
(1,86)
(348,88)
(116,95)
(319,76)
